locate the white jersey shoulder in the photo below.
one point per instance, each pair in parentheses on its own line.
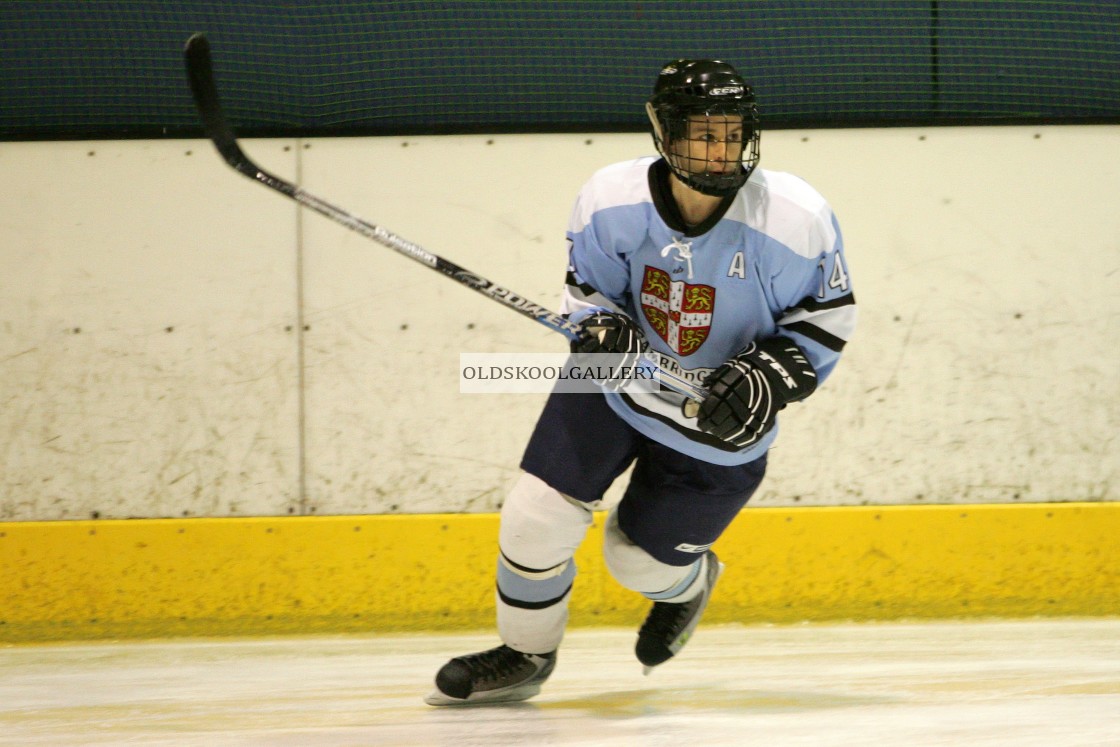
(788,209)
(624,183)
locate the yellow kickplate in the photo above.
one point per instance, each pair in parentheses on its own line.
(166,577)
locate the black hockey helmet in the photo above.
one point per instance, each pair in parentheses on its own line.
(692,88)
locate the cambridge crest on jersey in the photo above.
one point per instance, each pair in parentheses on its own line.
(680,313)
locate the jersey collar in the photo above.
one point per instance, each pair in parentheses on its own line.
(659,175)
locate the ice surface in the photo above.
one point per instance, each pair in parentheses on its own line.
(1050,683)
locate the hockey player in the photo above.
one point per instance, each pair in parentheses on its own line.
(729,275)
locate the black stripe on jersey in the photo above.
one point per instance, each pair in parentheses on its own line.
(522,604)
(699,437)
(812,304)
(584,288)
(816,334)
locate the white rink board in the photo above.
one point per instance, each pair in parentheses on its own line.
(147,334)
(977,373)
(1026,683)
(986,262)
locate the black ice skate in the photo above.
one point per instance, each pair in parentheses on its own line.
(500,675)
(669,625)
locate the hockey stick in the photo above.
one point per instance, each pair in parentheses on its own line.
(200,73)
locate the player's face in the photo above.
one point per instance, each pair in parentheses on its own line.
(713,144)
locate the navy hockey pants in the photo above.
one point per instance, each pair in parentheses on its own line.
(674,507)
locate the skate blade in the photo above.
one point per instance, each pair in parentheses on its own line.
(646,670)
(436,698)
(515,695)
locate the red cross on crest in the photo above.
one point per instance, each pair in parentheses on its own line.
(680,312)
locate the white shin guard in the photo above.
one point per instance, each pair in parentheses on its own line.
(639,571)
(540,531)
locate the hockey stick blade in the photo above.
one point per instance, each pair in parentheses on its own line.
(200,74)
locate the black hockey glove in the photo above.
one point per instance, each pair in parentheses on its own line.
(746,393)
(617,335)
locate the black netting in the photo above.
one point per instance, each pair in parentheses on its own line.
(114,69)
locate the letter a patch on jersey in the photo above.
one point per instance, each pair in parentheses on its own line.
(680,313)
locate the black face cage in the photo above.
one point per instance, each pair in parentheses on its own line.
(724,177)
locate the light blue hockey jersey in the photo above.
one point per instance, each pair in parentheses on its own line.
(770,261)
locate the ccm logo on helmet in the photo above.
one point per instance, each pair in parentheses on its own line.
(726,91)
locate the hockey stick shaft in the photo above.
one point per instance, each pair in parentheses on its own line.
(205,91)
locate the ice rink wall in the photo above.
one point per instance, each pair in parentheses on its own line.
(223,414)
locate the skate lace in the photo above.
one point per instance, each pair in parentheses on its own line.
(666,618)
(496,663)
(684,252)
